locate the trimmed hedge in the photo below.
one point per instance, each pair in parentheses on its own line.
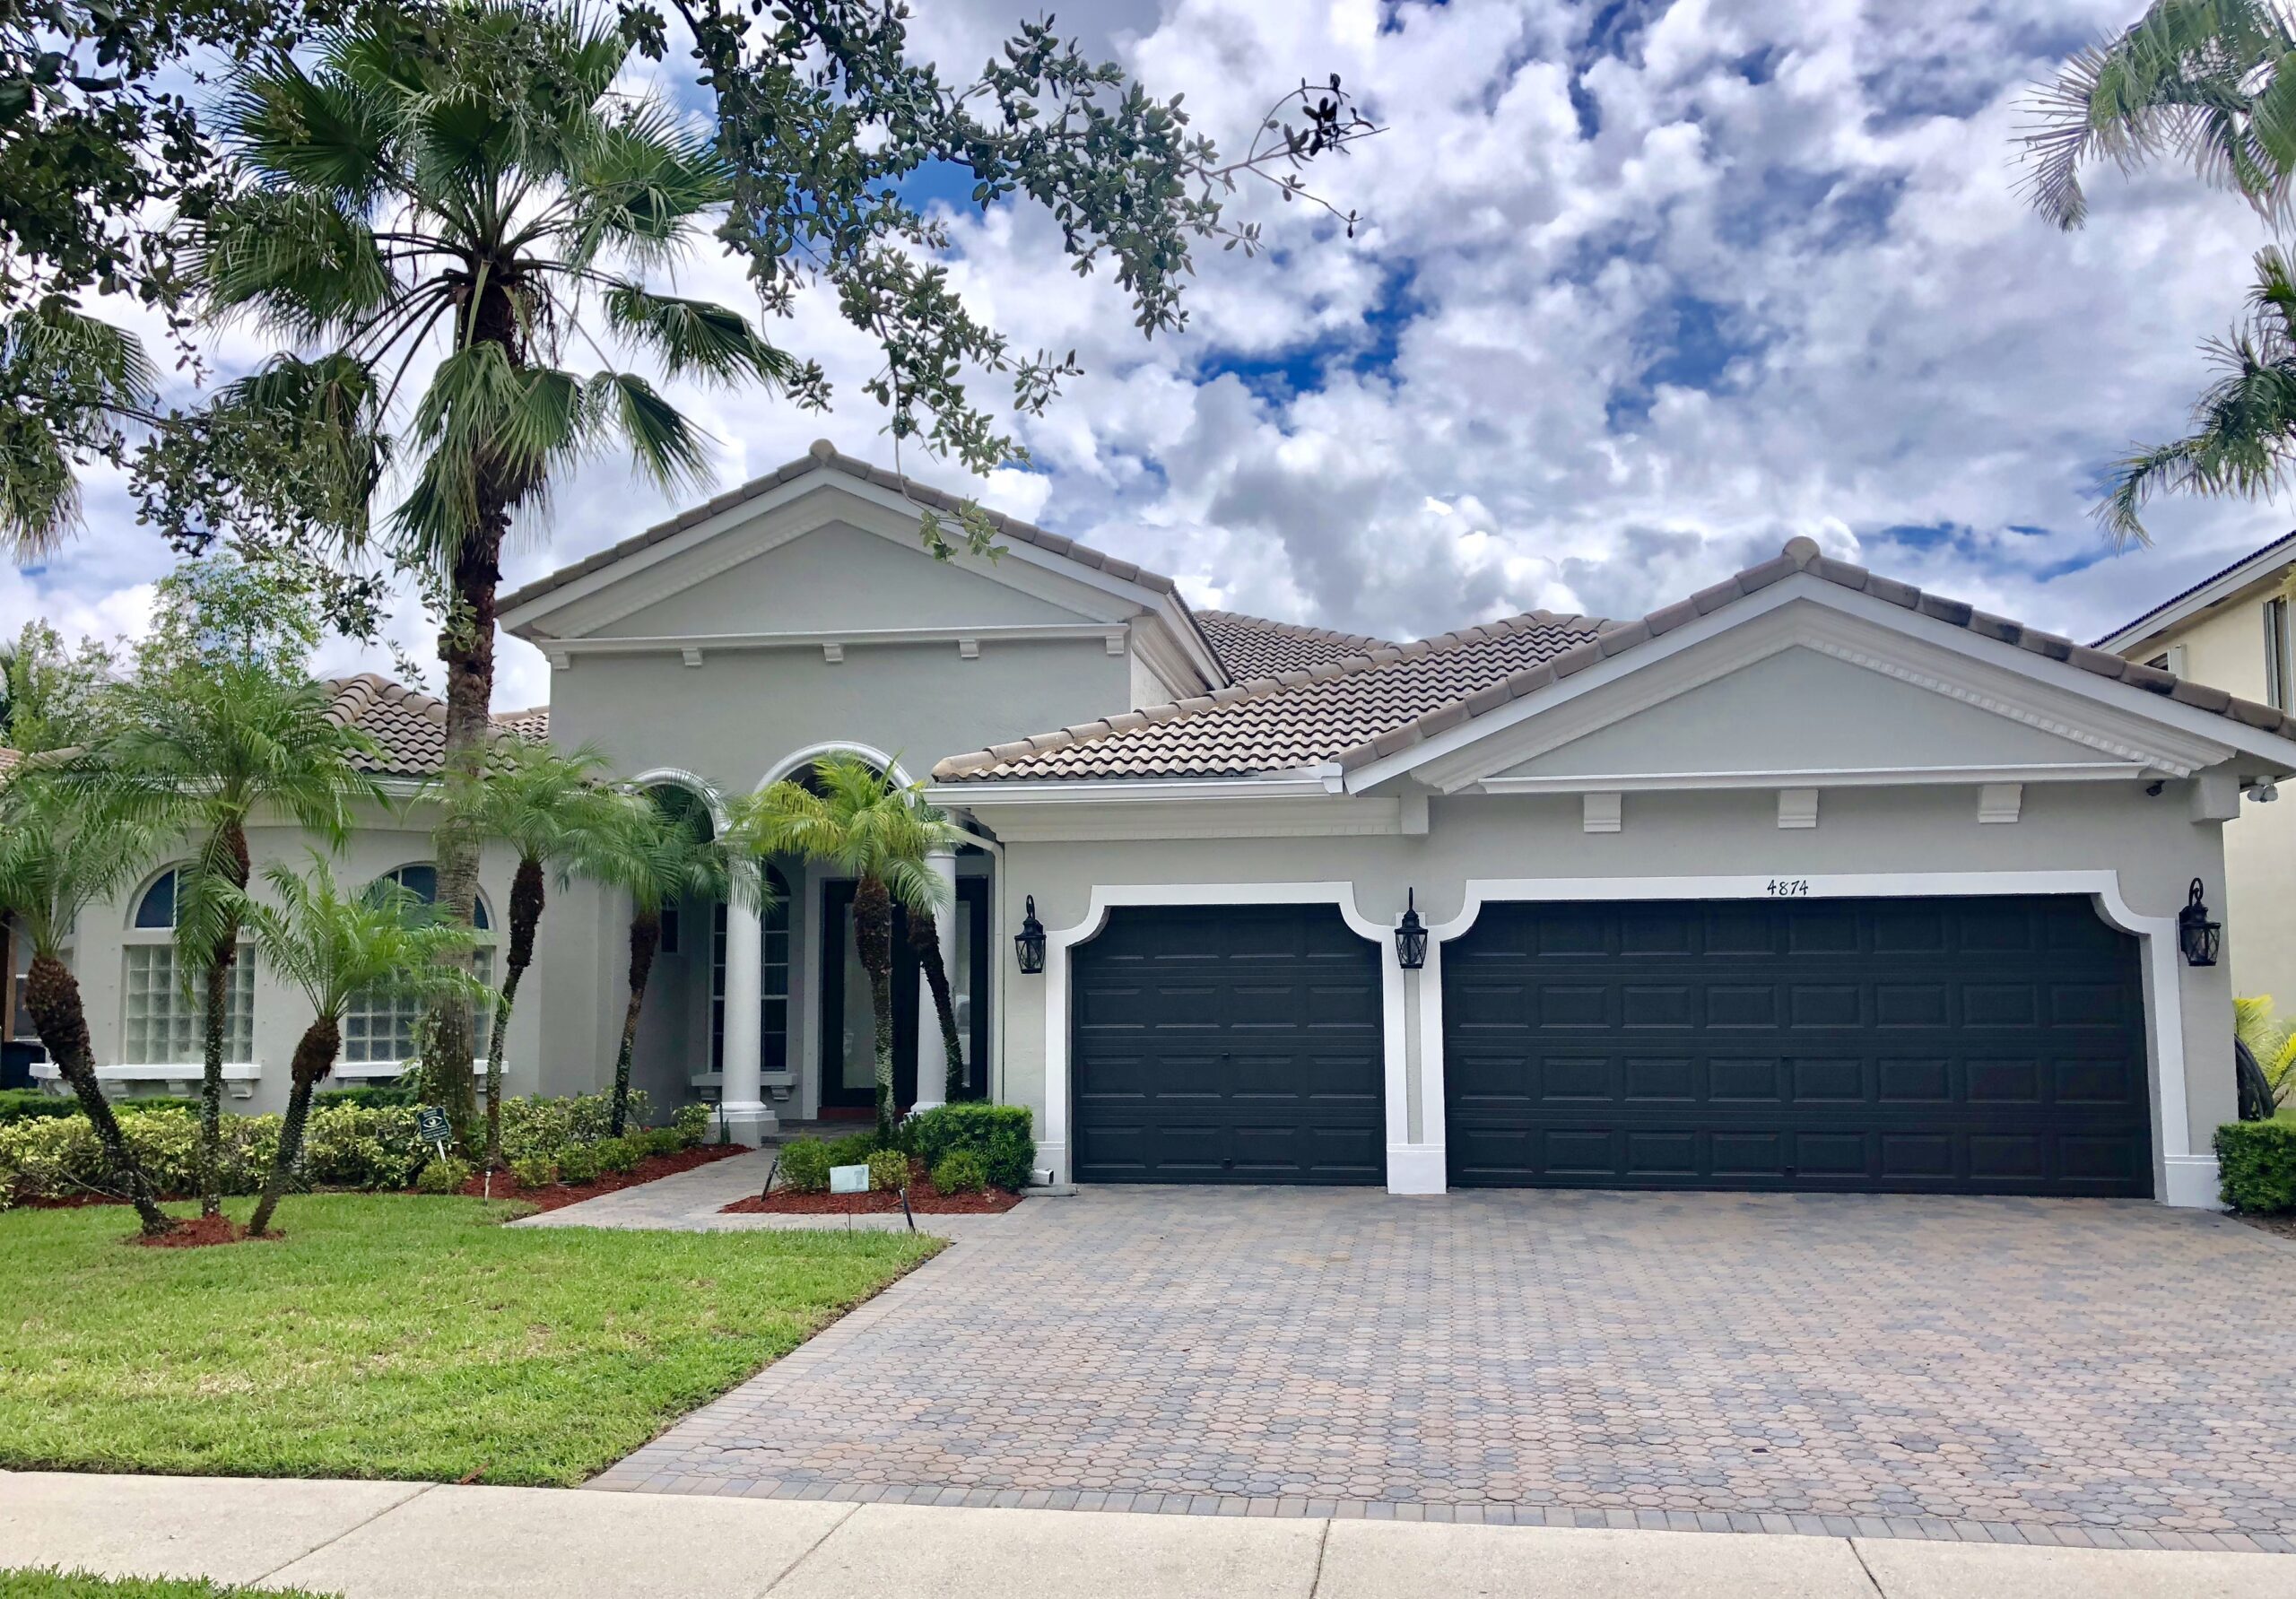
(1003,1137)
(2255,1166)
(367,1098)
(31,1104)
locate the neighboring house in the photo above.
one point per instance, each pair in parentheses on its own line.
(2232,630)
(144,1023)
(1809,882)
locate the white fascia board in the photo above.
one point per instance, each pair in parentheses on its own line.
(1831,777)
(2266,564)
(1102,790)
(707,643)
(2207,736)
(822,479)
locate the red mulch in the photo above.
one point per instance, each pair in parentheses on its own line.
(199,1233)
(924,1199)
(557,1195)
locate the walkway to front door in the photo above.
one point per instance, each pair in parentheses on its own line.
(2047,1369)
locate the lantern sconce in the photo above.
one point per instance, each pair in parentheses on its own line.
(1411,936)
(2198,936)
(1027,944)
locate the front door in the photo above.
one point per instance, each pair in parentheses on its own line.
(848,1020)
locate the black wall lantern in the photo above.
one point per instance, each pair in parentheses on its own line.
(2195,933)
(1027,944)
(1411,936)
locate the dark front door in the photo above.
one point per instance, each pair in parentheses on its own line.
(849,1016)
(1973,1046)
(1228,1044)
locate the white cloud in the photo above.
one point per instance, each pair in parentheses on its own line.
(1640,292)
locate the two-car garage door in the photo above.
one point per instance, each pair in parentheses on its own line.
(1974,1045)
(1967,1046)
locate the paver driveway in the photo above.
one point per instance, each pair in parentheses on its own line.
(1942,1366)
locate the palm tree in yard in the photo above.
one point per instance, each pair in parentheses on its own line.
(2211,84)
(860,821)
(66,844)
(443,209)
(660,853)
(228,740)
(335,946)
(553,810)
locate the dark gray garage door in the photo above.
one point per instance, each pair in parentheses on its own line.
(1228,1044)
(1978,1045)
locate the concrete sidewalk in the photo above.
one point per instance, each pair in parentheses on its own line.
(416,1540)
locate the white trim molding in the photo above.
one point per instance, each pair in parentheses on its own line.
(239,1077)
(796,760)
(1053,1149)
(2182,1175)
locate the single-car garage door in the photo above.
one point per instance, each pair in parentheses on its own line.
(1227,1044)
(1970,1046)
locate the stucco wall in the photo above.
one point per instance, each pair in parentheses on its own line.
(2148,843)
(281,1011)
(2226,649)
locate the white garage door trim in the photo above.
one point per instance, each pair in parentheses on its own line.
(1053,1148)
(2180,1176)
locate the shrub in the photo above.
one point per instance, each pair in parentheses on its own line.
(1003,1135)
(32,1104)
(888,1169)
(578,1164)
(534,1171)
(367,1096)
(2255,1166)
(618,1154)
(804,1165)
(361,1146)
(534,1125)
(692,1123)
(665,1141)
(960,1171)
(852,1150)
(442,1176)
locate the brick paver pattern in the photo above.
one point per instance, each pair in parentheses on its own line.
(2053,1370)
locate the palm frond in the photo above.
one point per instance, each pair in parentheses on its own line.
(697,338)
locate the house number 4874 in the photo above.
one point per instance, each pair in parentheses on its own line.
(1790,887)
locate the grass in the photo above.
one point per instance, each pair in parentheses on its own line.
(393,1336)
(46,1583)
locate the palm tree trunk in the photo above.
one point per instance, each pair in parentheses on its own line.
(526,899)
(314,1055)
(645,938)
(873,941)
(52,995)
(924,938)
(208,1158)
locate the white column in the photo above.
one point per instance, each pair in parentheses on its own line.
(741,1094)
(932,1052)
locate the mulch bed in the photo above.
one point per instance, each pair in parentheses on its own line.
(924,1199)
(558,1195)
(2285,1226)
(198,1233)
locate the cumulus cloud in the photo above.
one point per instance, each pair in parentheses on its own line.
(1643,289)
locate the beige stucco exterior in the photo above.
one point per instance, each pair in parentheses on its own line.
(2224,643)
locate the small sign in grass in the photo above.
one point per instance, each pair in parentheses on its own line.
(390,1336)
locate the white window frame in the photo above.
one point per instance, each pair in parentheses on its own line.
(138,946)
(397,1011)
(2276,658)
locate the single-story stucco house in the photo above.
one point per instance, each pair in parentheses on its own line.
(1808,882)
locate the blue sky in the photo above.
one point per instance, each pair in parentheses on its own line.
(1643,290)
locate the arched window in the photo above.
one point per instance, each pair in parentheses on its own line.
(161,1010)
(773,981)
(379,1029)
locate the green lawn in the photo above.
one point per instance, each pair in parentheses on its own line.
(392,1336)
(36,1583)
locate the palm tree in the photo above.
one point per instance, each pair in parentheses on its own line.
(439,206)
(859,819)
(552,810)
(66,844)
(659,852)
(2200,80)
(335,947)
(84,371)
(228,740)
